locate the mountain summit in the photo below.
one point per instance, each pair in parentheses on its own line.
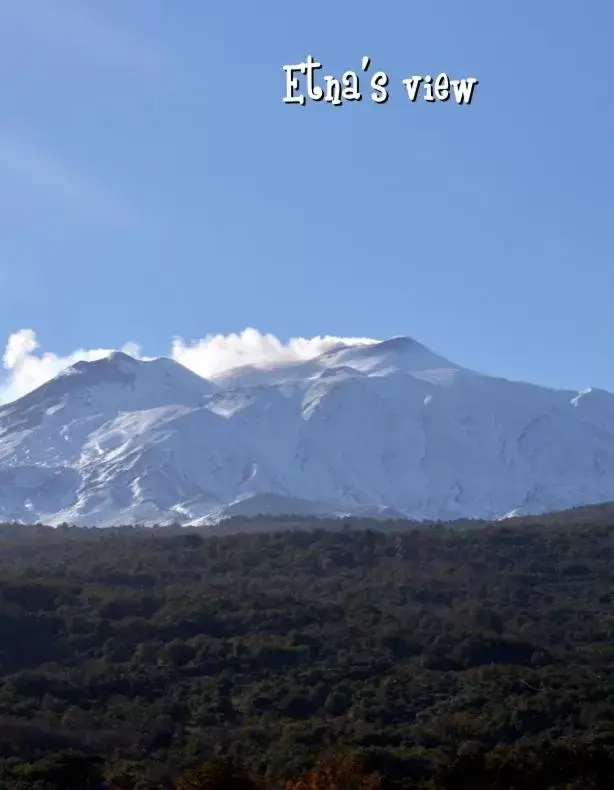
(375,428)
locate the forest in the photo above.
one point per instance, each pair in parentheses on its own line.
(289,654)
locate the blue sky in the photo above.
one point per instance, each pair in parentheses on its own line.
(153,184)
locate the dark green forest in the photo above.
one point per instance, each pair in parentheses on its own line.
(298,654)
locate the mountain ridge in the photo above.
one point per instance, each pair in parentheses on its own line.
(367,428)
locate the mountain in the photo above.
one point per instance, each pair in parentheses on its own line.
(378,429)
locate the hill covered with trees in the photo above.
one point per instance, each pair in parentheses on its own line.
(473,656)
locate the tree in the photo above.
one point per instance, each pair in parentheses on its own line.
(343,773)
(68,771)
(220,775)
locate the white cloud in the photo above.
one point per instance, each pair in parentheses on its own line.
(215,354)
(19,345)
(27,368)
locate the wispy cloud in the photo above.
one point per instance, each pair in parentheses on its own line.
(78,38)
(215,354)
(87,31)
(31,166)
(26,368)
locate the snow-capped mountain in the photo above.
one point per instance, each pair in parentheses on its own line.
(389,428)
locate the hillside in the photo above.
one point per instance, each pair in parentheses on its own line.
(433,651)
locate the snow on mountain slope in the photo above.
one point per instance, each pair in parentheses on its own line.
(361,429)
(278,505)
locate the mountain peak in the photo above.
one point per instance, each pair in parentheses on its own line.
(115,366)
(122,358)
(120,364)
(120,381)
(399,344)
(397,354)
